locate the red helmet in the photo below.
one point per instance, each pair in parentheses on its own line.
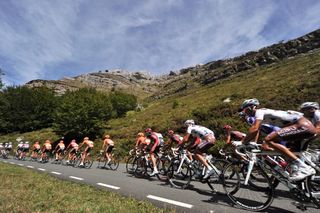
(227,127)
(170,132)
(148,130)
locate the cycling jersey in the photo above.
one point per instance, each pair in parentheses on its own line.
(47,146)
(36,146)
(61,146)
(284,117)
(74,145)
(268,128)
(109,142)
(176,138)
(160,137)
(90,144)
(26,146)
(199,131)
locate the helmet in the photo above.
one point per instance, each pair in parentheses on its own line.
(27,142)
(86,138)
(170,132)
(140,134)
(107,136)
(250,102)
(309,105)
(148,130)
(227,127)
(189,122)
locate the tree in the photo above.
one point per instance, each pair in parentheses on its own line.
(122,103)
(82,113)
(26,109)
(1,73)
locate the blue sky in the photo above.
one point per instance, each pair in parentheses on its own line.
(44,39)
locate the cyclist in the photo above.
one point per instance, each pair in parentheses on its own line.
(140,140)
(312,112)
(46,149)
(207,141)
(19,149)
(35,149)
(26,147)
(153,148)
(107,147)
(2,149)
(89,146)
(173,139)
(232,135)
(74,147)
(295,127)
(59,149)
(9,147)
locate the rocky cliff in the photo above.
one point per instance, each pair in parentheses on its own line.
(146,85)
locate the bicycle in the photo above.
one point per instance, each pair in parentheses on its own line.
(87,162)
(262,190)
(182,169)
(103,161)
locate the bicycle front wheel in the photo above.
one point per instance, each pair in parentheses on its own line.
(254,196)
(178,175)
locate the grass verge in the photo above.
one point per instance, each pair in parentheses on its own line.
(23,190)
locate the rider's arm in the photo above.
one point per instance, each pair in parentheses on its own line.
(253,132)
(318,128)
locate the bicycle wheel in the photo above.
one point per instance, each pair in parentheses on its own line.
(163,165)
(101,161)
(179,178)
(313,188)
(88,161)
(140,168)
(215,181)
(114,163)
(130,164)
(255,196)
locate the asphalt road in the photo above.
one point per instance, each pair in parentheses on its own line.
(197,198)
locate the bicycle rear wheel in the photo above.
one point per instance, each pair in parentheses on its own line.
(88,161)
(255,196)
(179,179)
(215,181)
(114,163)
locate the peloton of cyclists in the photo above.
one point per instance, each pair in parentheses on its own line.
(295,127)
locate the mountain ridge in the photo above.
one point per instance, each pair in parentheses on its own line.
(144,85)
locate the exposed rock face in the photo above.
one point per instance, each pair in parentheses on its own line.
(174,82)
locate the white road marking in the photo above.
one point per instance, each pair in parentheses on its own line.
(20,164)
(30,167)
(177,203)
(5,161)
(77,178)
(108,186)
(12,163)
(56,173)
(41,169)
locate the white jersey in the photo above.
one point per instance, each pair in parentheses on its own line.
(26,146)
(20,145)
(199,131)
(316,117)
(279,115)
(160,137)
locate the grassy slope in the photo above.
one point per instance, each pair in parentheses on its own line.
(23,190)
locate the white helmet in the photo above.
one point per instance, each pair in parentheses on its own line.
(189,122)
(27,142)
(250,102)
(309,105)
